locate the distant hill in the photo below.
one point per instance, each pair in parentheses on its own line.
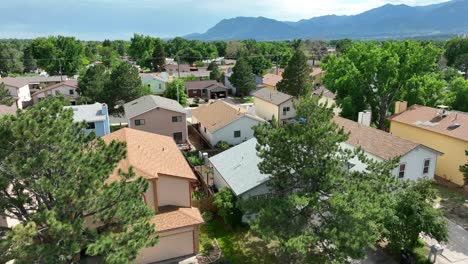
(388,21)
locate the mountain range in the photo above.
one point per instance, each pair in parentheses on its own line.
(388,21)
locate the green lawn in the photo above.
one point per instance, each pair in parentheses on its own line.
(454,205)
(239,245)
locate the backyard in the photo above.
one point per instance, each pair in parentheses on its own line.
(454,204)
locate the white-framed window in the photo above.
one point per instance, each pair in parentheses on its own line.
(139,122)
(286,109)
(176,119)
(426,166)
(71,91)
(401,170)
(237,134)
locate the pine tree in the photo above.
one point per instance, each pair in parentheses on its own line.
(159,56)
(5,97)
(53,179)
(242,78)
(296,80)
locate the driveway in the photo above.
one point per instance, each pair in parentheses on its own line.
(456,250)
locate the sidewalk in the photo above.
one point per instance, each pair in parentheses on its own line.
(456,250)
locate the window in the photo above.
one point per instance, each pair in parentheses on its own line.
(160,86)
(71,91)
(149,85)
(139,122)
(401,172)
(176,119)
(91,125)
(427,165)
(237,134)
(177,137)
(204,129)
(286,109)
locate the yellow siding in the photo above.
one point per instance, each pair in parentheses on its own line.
(454,149)
(265,110)
(270,87)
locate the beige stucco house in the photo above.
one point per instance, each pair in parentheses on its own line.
(68,89)
(159,161)
(19,90)
(269,104)
(158,115)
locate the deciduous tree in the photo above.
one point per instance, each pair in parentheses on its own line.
(53,180)
(159,56)
(458,98)
(5,96)
(173,87)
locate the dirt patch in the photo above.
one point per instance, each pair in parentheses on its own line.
(453,200)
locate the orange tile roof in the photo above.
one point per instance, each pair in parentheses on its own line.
(172,217)
(427,118)
(375,141)
(219,114)
(271,79)
(150,155)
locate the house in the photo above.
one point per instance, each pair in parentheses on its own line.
(41,82)
(95,115)
(174,68)
(156,81)
(157,159)
(440,129)
(237,169)
(158,115)
(206,89)
(200,75)
(221,121)
(416,160)
(327,98)
(19,90)
(270,103)
(316,76)
(270,80)
(68,89)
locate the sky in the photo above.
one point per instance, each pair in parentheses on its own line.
(119,19)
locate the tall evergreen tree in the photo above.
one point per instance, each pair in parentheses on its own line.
(242,78)
(94,84)
(5,96)
(159,56)
(296,80)
(53,179)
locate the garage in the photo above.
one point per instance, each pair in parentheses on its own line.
(194,93)
(171,245)
(216,95)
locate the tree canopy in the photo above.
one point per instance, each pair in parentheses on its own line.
(53,180)
(242,77)
(464,169)
(5,96)
(171,91)
(372,75)
(296,80)
(458,94)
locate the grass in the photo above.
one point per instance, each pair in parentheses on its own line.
(454,205)
(237,245)
(420,253)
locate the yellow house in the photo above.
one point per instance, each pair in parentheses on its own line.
(440,129)
(269,104)
(316,76)
(270,80)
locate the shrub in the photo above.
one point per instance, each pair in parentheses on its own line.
(207,216)
(226,202)
(223,145)
(206,245)
(195,161)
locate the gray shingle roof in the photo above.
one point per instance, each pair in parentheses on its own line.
(39,79)
(239,167)
(271,96)
(88,113)
(149,102)
(14,82)
(210,84)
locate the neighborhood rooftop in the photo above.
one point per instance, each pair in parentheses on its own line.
(454,124)
(14,82)
(70,83)
(171,217)
(236,163)
(274,97)
(150,155)
(39,79)
(88,113)
(203,84)
(218,114)
(271,79)
(375,141)
(149,102)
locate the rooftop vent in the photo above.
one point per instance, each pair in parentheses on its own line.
(443,110)
(453,126)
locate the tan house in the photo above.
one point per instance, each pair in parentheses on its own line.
(440,129)
(316,76)
(68,89)
(270,80)
(159,161)
(269,104)
(158,115)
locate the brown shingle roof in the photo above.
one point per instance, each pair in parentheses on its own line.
(326,93)
(203,84)
(427,118)
(219,114)
(172,217)
(271,79)
(70,83)
(375,141)
(14,82)
(274,97)
(150,155)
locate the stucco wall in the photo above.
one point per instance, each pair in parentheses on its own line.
(265,110)
(157,86)
(63,90)
(454,149)
(244,124)
(159,121)
(173,191)
(291,113)
(23,94)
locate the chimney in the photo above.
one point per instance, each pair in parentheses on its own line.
(400,106)
(365,118)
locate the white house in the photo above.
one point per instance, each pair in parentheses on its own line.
(270,103)
(416,160)
(19,90)
(221,121)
